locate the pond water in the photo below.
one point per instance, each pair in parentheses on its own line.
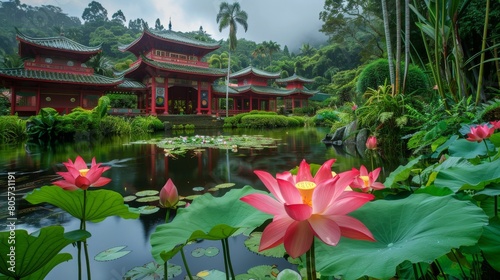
(136,167)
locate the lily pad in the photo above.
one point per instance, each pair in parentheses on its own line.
(129,198)
(253,243)
(111,254)
(152,271)
(211,251)
(198,252)
(147,193)
(145,210)
(198,189)
(148,198)
(213,189)
(225,185)
(191,197)
(211,274)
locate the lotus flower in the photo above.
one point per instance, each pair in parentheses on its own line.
(305,207)
(79,176)
(479,133)
(169,197)
(495,124)
(371,143)
(365,181)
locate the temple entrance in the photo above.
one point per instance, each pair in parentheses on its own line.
(182,100)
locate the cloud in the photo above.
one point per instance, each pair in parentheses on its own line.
(287,22)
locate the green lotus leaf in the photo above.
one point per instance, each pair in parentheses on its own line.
(471,177)
(211,274)
(111,254)
(35,251)
(263,271)
(45,270)
(490,243)
(419,228)
(100,203)
(288,274)
(467,149)
(401,173)
(208,217)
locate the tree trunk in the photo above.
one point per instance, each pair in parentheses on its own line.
(388,41)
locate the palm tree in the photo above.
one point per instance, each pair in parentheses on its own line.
(271,47)
(229,16)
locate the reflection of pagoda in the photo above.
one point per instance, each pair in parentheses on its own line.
(54,75)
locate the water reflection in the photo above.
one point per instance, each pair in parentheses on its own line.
(137,167)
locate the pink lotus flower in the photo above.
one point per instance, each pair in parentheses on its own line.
(305,207)
(365,181)
(79,176)
(371,143)
(479,133)
(495,124)
(169,197)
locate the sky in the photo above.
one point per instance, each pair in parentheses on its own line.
(287,22)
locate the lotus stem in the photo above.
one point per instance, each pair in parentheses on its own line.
(165,265)
(85,249)
(311,263)
(225,258)
(186,264)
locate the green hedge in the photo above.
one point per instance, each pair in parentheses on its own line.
(262,119)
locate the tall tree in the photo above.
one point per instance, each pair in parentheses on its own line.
(95,12)
(119,17)
(230,15)
(271,47)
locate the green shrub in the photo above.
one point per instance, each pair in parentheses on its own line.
(114,125)
(4,106)
(143,125)
(46,126)
(326,117)
(12,129)
(376,74)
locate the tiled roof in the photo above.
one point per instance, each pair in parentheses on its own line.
(189,69)
(37,75)
(131,84)
(172,36)
(293,78)
(59,43)
(222,89)
(264,90)
(256,72)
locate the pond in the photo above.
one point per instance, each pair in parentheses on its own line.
(136,167)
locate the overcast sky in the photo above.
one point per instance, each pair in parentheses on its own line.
(287,22)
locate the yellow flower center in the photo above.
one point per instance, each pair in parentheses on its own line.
(366,180)
(83,172)
(306,189)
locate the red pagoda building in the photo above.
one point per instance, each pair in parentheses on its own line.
(298,95)
(54,75)
(171,68)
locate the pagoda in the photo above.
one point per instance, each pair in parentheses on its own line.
(252,90)
(170,66)
(54,75)
(298,95)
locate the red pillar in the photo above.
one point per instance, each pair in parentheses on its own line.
(198,101)
(166,97)
(37,104)
(209,100)
(13,100)
(153,96)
